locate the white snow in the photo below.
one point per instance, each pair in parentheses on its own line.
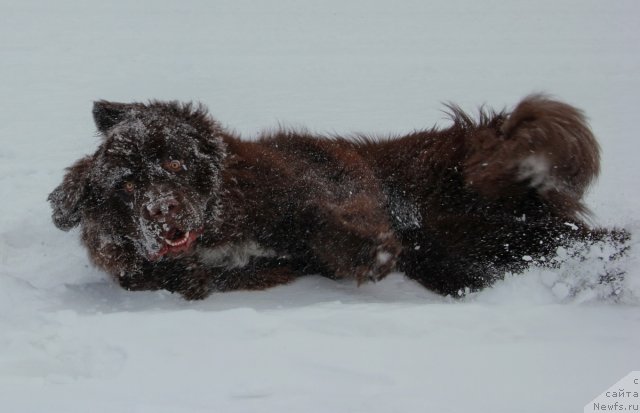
(71,341)
(234,255)
(536,168)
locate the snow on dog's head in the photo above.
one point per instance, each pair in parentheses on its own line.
(151,187)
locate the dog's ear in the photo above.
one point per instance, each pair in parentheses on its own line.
(213,142)
(108,114)
(68,198)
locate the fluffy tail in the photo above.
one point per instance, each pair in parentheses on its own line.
(543,144)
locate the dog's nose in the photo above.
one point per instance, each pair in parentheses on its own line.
(163,208)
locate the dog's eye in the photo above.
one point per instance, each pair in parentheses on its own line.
(173,165)
(129,186)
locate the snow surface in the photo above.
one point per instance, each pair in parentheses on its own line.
(71,341)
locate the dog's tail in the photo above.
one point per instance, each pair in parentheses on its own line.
(545,145)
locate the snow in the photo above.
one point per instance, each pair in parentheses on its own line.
(537,169)
(235,255)
(71,341)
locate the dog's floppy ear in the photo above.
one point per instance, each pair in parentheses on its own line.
(68,198)
(108,114)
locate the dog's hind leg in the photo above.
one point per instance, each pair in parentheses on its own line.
(445,269)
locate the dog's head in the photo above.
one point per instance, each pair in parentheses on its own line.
(152,186)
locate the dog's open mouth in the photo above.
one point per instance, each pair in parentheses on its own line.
(176,238)
(177,241)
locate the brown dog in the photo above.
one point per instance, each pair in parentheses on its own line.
(171,200)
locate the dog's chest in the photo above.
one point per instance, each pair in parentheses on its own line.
(234,255)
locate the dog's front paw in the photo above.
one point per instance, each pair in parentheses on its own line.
(137,280)
(186,278)
(194,284)
(382,260)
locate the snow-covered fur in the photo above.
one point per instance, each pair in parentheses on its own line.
(171,200)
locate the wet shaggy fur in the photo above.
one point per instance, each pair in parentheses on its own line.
(171,200)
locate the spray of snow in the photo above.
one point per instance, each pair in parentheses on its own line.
(536,169)
(583,272)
